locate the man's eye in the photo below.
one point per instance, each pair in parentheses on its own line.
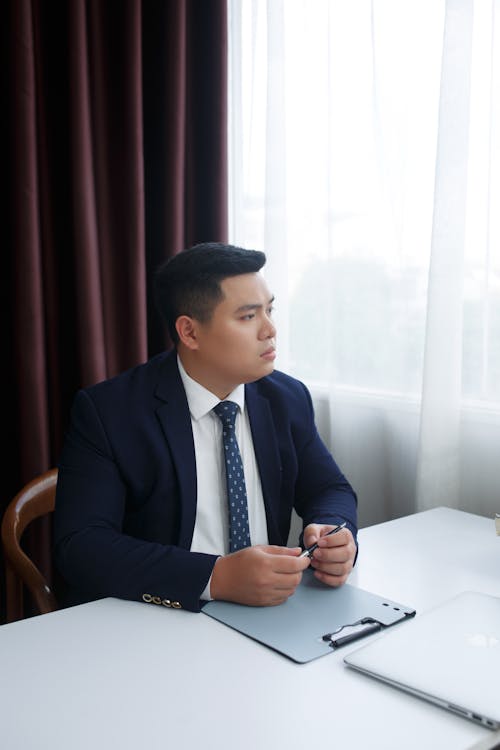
(248,316)
(270,310)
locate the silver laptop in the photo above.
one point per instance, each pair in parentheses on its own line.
(449,655)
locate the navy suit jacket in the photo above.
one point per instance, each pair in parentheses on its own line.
(126,492)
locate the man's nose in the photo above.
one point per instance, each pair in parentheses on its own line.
(268,330)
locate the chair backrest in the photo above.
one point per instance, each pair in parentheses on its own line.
(37,498)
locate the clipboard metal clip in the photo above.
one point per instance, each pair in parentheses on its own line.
(354,631)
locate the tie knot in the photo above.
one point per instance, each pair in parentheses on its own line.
(226,411)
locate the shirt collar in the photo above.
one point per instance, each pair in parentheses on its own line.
(200,400)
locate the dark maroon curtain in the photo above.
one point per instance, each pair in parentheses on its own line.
(113,141)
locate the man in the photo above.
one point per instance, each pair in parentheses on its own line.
(141,506)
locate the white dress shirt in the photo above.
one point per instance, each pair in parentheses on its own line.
(211,532)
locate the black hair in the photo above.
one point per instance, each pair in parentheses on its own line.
(189,282)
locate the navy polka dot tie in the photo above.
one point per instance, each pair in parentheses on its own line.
(239,532)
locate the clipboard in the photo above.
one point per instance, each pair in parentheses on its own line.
(315,621)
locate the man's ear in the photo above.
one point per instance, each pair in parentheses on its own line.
(187,331)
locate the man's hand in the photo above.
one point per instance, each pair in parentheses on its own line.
(334,557)
(259,576)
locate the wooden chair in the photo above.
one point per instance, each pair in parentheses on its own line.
(37,498)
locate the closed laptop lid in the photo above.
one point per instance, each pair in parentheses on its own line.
(449,655)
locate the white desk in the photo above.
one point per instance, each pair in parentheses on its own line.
(130,676)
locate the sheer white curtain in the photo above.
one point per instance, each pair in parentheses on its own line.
(365,161)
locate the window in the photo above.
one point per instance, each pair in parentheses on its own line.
(364,160)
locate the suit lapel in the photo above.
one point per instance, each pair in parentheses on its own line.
(267,455)
(175,421)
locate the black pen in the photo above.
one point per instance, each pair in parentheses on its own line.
(308,552)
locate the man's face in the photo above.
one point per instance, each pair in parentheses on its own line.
(237,345)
